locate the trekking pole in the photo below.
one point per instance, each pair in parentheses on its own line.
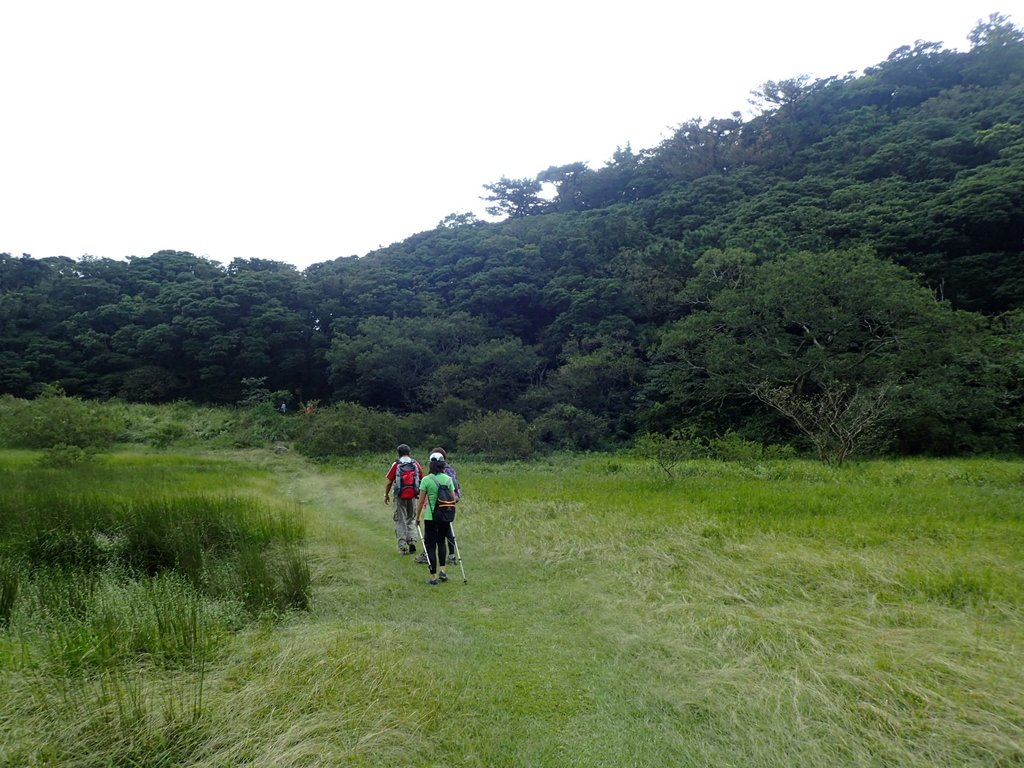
(423,542)
(458,555)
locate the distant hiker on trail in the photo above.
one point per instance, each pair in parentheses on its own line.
(436,531)
(450,471)
(405,476)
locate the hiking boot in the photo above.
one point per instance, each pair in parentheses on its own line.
(442,576)
(422,558)
(433,582)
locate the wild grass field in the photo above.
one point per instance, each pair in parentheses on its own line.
(761,614)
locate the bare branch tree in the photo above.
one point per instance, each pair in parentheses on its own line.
(839,420)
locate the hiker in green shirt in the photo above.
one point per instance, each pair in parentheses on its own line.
(435,531)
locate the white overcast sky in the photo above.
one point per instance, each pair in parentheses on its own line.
(306,130)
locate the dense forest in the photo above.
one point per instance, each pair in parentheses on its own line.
(848,260)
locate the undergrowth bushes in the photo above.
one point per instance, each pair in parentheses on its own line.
(53,419)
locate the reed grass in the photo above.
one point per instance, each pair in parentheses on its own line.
(116,594)
(81,525)
(10,581)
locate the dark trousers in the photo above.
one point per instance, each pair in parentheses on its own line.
(435,535)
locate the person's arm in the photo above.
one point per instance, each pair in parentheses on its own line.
(422,504)
(391,481)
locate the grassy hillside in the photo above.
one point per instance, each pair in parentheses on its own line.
(772,614)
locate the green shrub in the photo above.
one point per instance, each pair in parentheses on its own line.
(499,435)
(733,447)
(346,429)
(439,425)
(667,451)
(166,434)
(62,455)
(53,419)
(64,548)
(567,427)
(262,424)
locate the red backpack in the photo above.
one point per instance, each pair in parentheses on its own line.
(407,479)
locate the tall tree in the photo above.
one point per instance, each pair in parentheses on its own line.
(515,198)
(568,181)
(800,323)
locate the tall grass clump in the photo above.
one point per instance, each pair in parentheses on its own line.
(163,621)
(120,584)
(123,716)
(10,581)
(109,575)
(199,538)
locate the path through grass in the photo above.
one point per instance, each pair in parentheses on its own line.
(778,615)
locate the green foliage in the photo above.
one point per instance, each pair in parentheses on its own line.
(176,424)
(346,429)
(62,455)
(733,447)
(53,420)
(499,435)
(167,434)
(798,325)
(668,451)
(437,426)
(566,427)
(255,393)
(515,198)
(264,423)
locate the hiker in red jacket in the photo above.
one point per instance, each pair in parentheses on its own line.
(404,475)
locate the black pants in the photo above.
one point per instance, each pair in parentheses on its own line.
(435,535)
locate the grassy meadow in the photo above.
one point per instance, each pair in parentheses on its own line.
(760,614)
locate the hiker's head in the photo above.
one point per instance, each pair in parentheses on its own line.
(404,450)
(442,451)
(436,463)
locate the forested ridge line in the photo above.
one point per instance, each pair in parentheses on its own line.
(860,237)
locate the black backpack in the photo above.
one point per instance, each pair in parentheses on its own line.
(444,507)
